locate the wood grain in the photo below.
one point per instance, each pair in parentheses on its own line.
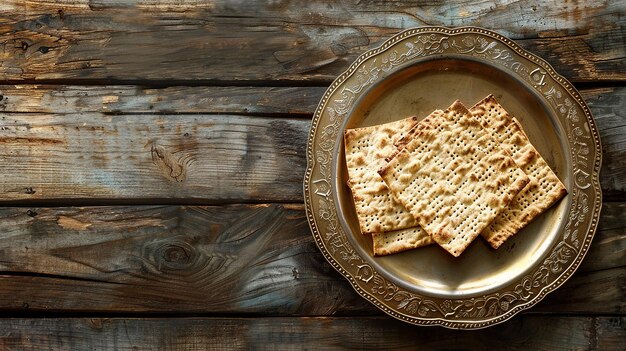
(610,333)
(220,259)
(611,122)
(521,333)
(120,99)
(155,158)
(87,145)
(609,243)
(295,41)
(225,259)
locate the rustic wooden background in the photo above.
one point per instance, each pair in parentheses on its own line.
(152,158)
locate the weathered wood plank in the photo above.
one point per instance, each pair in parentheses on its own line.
(238,258)
(609,243)
(220,259)
(611,122)
(156,158)
(122,99)
(520,333)
(313,40)
(611,333)
(88,155)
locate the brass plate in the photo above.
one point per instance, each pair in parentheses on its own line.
(413,73)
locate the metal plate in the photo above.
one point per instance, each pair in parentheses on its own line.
(413,73)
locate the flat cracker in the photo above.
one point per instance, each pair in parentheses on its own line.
(388,243)
(544,188)
(453,177)
(378,213)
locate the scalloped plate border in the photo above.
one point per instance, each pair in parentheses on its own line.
(583,144)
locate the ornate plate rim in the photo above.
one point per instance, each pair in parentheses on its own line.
(365,273)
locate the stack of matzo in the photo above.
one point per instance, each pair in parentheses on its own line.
(392,227)
(456,174)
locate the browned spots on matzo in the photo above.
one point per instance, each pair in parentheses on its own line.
(421,177)
(544,188)
(366,151)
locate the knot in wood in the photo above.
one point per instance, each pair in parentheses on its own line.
(172,255)
(168,163)
(95,323)
(176,254)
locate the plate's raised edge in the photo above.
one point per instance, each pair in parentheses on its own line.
(597,203)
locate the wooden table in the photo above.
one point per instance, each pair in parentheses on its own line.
(152,161)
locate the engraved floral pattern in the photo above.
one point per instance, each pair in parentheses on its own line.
(585,153)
